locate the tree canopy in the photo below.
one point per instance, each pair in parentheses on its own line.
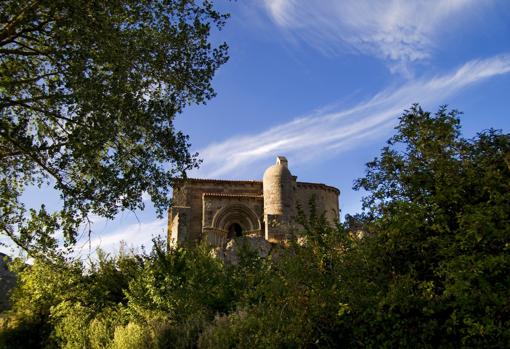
(438,213)
(426,265)
(88,94)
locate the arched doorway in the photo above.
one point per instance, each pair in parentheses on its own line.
(234,230)
(233,221)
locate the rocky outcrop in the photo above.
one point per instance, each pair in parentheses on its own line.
(235,247)
(7,281)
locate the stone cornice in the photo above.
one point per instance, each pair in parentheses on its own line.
(219,181)
(318,186)
(231,181)
(248,196)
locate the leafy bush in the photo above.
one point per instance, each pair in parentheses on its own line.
(425,265)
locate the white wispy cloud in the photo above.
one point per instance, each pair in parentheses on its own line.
(400,31)
(133,235)
(323,133)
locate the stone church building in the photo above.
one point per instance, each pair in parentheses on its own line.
(219,210)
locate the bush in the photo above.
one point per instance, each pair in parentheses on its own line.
(426,265)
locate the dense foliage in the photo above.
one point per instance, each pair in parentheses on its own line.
(440,211)
(426,265)
(88,94)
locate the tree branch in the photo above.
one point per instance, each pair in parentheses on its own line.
(9,153)
(26,81)
(19,52)
(28,152)
(17,241)
(10,26)
(4,103)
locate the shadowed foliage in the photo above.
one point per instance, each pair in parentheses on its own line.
(425,265)
(88,94)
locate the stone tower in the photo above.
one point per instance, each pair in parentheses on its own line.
(279,188)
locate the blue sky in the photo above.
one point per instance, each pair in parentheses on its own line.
(323,82)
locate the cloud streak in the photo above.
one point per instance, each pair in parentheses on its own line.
(314,135)
(400,31)
(134,235)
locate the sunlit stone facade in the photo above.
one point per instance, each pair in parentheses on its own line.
(219,210)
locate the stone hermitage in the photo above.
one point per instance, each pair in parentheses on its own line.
(219,210)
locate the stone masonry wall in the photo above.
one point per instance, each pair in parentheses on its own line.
(191,193)
(208,207)
(326,199)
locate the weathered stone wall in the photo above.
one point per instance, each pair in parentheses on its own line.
(179,225)
(221,211)
(325,198)
(190,194)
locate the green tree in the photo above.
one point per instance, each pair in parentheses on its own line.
(157,300)
(437,219)
(291,299)
(66,304)
(425,265)
(88,94)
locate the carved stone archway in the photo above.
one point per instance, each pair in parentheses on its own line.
(236,215)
